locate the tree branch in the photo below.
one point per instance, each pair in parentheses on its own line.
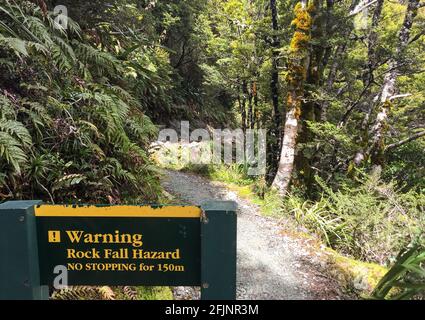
(399,96)
(359,9)
(403,142)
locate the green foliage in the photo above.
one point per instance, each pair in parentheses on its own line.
(369,221)
(231,174)
(406,279)
(71,128)
(406,165)
(316,217)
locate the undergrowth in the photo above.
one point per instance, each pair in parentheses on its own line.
(369,222)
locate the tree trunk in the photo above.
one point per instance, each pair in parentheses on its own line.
(337,57)
(255,110)
(274,85)
(311,107)
(250,106)
(297,74)
(243,107)
(377,149)
(368,78)
(372,62)
(274,142)
(287,157)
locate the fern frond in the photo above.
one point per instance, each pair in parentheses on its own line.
(101,60)
(130,293)
(141,129)
(89,127)
(38,47)
(7,111)
(75,293)
(72,27)
(106,293)
(84,293)
(11,151)
(18,46)
(59,58)
(124,95)
(66,48)
(17,130)
(38,30)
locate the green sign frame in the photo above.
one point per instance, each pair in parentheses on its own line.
(118,245)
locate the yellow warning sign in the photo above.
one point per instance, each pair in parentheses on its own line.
(54,236)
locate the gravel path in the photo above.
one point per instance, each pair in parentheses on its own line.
(271,265)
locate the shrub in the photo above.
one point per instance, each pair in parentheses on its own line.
(370,221)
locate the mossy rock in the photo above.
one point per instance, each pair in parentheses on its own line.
(357,276)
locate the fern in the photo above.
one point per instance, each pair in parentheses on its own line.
(7,111)
(37,113)
(70,132)
(84,293)
(11,151)
(17,45)
(130,293)
(141,129)
(102,61)
(17,130)
(60,59)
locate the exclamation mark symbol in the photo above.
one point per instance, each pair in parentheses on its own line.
(54,236)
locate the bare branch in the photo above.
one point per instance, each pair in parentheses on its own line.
(399,96)
(359,8)
(403,142)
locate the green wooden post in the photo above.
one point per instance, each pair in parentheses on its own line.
(19,268)
(218,256)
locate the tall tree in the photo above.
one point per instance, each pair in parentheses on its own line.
(274,85)
(298,62)
(388,90)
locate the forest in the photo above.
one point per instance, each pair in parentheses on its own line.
(85,87)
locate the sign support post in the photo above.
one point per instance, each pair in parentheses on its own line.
(218,250)
(19,269)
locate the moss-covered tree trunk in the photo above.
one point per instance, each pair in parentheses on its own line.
(297,74)
(311,108)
